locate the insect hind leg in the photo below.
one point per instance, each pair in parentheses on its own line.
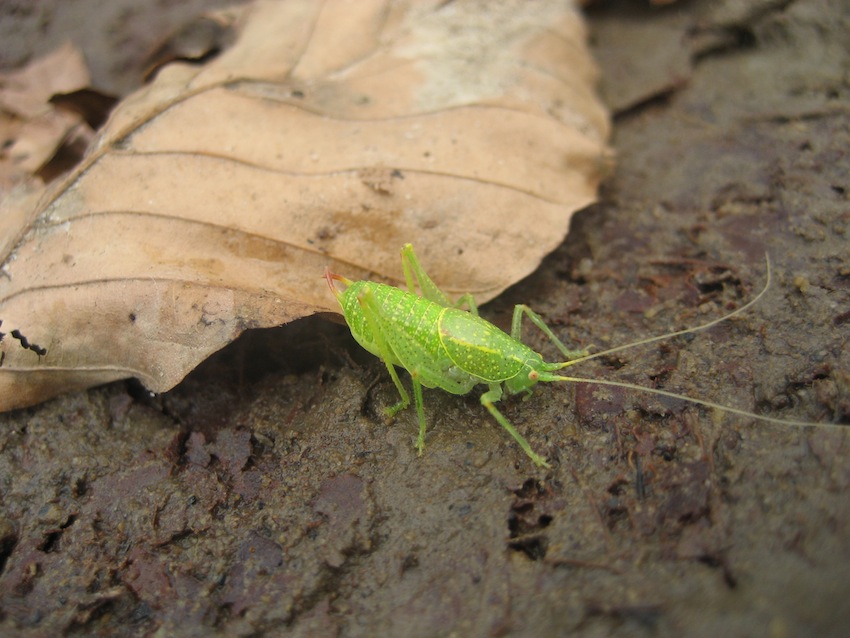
(516,331)
(414,274)
(487,400)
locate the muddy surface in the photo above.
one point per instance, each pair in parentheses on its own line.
(265,495)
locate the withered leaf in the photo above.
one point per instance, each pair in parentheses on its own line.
(32,127)
(330,134)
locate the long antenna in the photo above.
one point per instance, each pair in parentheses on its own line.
(670,335)
(682,397)
(547,376)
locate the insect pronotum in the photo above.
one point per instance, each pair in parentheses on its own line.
(442,346)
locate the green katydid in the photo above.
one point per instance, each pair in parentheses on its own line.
(443,346)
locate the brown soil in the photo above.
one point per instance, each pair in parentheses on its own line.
(265,495)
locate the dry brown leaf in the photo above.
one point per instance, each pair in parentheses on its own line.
(329,135)
(31,127)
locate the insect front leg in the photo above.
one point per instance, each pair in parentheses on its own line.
(516,331)
(487,400)
(414,273)
(383,336)
(405,398)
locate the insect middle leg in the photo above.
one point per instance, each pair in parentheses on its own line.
(487,400)
(405,401)
(420,413)
(516,331)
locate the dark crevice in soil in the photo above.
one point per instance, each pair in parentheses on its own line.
(8,542)
(726,40)
(528,518)
(657,101)
(719,562)
(51,539)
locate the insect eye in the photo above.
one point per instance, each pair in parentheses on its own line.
(532,376)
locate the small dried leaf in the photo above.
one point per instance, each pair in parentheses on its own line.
(330,134)
(32,128)
(27,92)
